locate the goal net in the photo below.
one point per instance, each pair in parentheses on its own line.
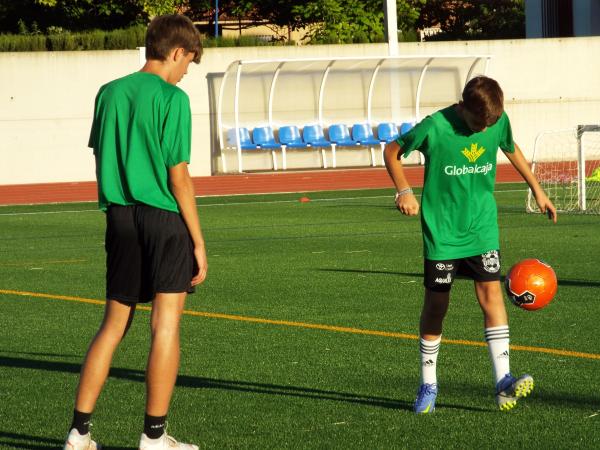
(567,165)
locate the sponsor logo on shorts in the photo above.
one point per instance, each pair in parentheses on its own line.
(442,266)
(491,261)
(446,280)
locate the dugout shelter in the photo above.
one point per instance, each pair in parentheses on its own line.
(349,103)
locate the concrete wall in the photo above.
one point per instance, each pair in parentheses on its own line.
(46,98)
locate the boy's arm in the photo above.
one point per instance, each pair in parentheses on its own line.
(405,202)
(183,191)
(520,163)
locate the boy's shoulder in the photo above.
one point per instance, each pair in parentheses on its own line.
(146,82)
(439,119)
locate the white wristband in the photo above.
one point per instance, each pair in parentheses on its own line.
(403,192)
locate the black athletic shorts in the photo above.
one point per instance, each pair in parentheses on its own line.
(439,275)
(148,251)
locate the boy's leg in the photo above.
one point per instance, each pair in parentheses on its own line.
(163,360)
(161,374)
(117,319)
(508,388)
(434,310)
(491,301)
(433,313)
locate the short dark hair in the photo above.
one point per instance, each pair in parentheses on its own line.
(172,31)
(484,99)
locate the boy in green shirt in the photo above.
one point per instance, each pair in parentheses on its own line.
(459,223)
(155,250)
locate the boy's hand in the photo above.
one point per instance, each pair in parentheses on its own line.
(407,204)
(546,206)
(200,255)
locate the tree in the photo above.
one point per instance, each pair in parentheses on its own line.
(342,21)
(476,19)
(408,12)
(72,15)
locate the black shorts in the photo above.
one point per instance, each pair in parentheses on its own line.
(439,275)
(148,251)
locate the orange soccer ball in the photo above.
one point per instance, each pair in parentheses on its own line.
(531,284)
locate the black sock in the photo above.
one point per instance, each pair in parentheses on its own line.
(154,426)
(81,421)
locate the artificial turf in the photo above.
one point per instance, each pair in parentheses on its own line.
(347,263)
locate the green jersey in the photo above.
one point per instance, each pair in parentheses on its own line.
(458,209)
(141,127)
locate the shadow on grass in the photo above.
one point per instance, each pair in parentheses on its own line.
(61,355)
(561,282)
(188,381)
(15,440)
(10,439)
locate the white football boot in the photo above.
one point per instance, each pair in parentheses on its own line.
(76,441)
(165,442)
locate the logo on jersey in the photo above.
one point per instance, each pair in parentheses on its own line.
(474,153)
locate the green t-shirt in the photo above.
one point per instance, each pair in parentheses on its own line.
(458,209)
(141,127)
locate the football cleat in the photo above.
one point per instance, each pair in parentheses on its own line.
(425,402)
(76,441)
(165,442)
(510,389)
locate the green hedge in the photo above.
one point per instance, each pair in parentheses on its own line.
(241,41)
(128,38)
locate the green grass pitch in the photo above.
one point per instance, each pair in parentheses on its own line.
(345,259)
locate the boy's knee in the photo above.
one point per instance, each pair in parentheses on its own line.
(436,302)
(164,329)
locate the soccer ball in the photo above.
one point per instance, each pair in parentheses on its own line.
(531,284)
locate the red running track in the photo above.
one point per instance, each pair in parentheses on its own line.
(254,183)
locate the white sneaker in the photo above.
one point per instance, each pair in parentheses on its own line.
(76,441)
(164,442)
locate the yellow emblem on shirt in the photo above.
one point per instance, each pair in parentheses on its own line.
(474,153)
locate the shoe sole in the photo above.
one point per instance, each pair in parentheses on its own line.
(522,390)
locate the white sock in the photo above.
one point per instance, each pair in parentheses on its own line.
(429,353)
(498,340)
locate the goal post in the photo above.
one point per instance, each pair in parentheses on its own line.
(567,165)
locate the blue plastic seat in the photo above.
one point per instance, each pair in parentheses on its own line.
(313,135)
(362,133)
(289,136)
(386,132)
(339,134)
(265,138)
(245,144)
(245,141)
(405,127)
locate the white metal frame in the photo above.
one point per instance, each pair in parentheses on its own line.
(378,61)
(579,132)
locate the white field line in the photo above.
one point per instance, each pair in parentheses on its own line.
(266,202)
